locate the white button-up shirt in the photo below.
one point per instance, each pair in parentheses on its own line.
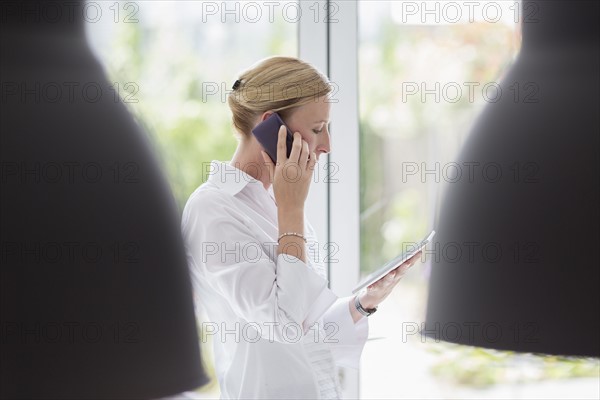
(278,331)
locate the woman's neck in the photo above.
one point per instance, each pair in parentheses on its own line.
(247,157)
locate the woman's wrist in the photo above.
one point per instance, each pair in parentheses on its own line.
(290,221)
(366,301)
(364,304)
(290,212)
(293,246)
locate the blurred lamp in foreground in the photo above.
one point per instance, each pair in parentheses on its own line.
(516,265)
(96,300)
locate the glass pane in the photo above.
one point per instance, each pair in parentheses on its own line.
(425,70)
(173,63)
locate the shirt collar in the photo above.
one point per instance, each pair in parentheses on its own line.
(229,178)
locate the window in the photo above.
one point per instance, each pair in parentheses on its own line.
(173,63)
(425,70)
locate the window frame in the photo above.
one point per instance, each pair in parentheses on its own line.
(329,41)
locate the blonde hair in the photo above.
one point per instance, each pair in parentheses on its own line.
(276,83)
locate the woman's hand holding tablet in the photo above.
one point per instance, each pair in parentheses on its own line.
(403,262)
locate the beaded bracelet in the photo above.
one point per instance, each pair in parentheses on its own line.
(293,234)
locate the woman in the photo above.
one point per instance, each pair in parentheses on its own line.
(278,331)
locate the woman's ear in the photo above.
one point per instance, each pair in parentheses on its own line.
(266,115)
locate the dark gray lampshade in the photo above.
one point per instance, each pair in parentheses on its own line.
(96,300)
(516,263)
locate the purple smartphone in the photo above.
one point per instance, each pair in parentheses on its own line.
(267,134)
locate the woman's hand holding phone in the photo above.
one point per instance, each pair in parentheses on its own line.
(291,176)
(291,179)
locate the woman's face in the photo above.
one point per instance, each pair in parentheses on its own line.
(312,121)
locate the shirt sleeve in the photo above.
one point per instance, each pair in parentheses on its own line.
(260,290)
(348,339)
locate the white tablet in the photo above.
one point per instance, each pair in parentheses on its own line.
(381,272)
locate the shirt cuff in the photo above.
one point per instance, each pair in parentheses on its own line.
(351,337)
(302,292)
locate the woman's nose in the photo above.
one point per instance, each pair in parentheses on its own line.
(324,146)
